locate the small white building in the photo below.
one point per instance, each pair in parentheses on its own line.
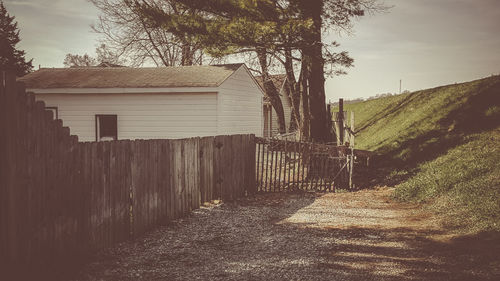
(103,103)
(271,127)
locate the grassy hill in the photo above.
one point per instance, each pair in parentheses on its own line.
(440,146)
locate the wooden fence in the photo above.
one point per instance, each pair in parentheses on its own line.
(61,199)
(292,165)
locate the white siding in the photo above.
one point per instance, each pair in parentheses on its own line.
(286,109)
(240,105)
(140,116)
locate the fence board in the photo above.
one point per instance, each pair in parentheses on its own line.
(171,180)
(206,169)
(252,176)
(176,161)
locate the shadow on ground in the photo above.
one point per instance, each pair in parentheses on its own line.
(355,236)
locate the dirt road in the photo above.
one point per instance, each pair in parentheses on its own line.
(344,236)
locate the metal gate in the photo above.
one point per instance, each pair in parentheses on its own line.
(293,165)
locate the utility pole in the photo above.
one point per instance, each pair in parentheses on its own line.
(399,86)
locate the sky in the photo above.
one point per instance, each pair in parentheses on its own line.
(423,43)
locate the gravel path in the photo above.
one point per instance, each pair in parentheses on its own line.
(343,236)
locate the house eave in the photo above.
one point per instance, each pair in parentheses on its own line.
(123,90)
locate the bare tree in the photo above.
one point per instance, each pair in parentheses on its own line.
(104,57)
(125,30)
(72,60)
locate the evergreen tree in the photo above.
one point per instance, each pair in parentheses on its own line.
(289,31)
(11,59)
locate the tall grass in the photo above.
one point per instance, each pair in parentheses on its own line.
(440,146)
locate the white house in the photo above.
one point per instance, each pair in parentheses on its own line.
(271,127)
(101,103)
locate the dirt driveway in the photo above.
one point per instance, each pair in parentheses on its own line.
(344,236)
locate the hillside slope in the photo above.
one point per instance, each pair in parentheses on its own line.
(440,145)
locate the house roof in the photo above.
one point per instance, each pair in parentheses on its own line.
(278,80)
(127,77)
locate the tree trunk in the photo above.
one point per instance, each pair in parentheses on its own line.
(294,116)
(305,116)
(271,91)
(293,90)
(313,53)
(187,54)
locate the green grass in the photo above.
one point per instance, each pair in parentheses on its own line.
(463,184)
(440,146)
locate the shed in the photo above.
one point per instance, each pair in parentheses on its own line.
(271,127)
(102,103)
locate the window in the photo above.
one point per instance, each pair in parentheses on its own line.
(106,127)
(52,109)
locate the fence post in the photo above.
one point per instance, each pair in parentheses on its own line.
(351,144)
(341,121)
(4,169)
(252,165)
(329,122)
